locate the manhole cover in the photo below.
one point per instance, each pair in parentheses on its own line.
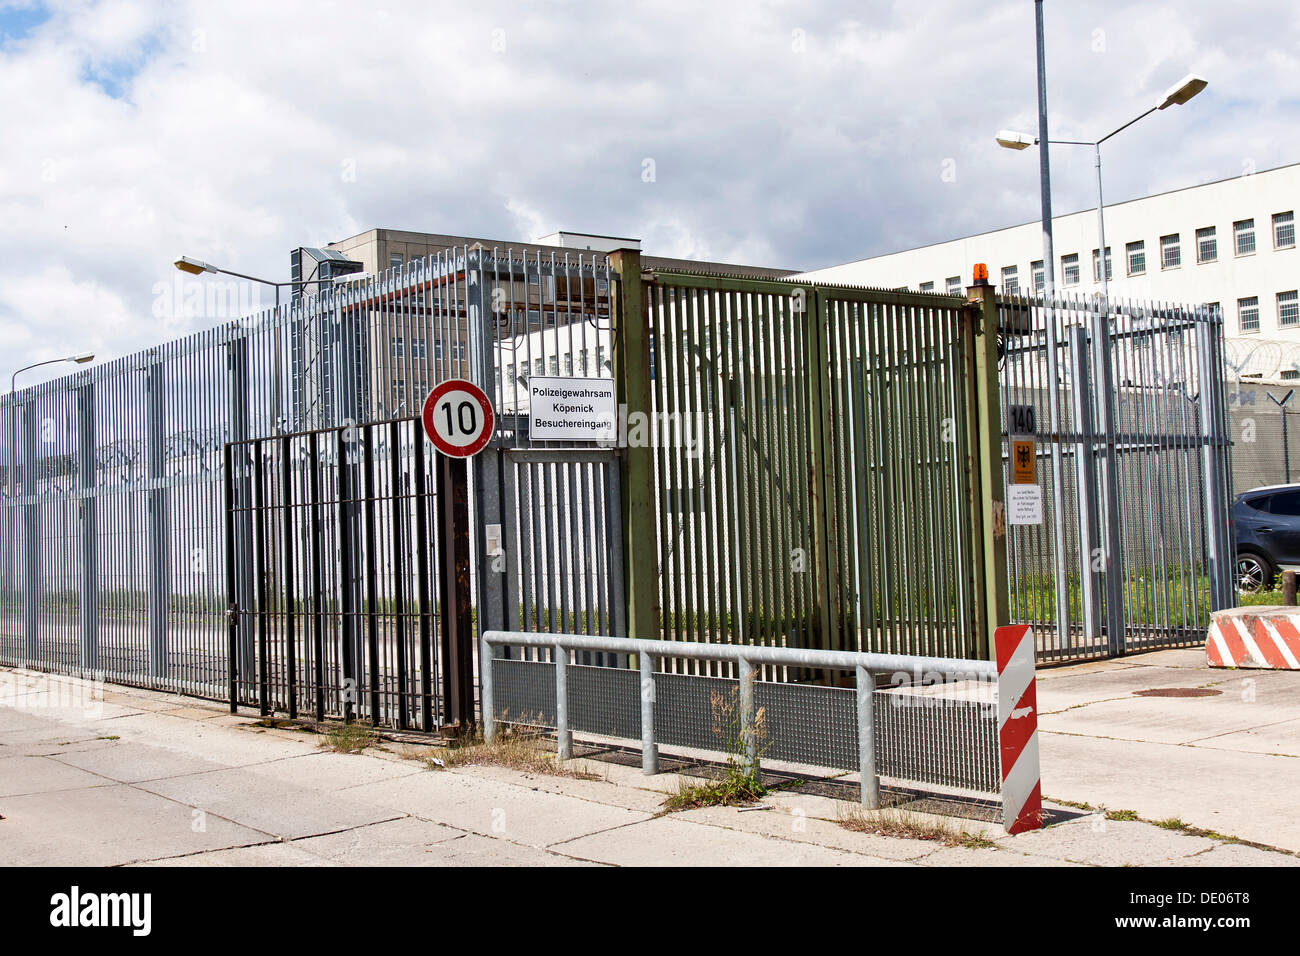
(1178,692)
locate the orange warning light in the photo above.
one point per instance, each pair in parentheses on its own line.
(981,273)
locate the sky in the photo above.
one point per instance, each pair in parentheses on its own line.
(797,135)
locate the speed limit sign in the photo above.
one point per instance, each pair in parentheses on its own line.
(458,418)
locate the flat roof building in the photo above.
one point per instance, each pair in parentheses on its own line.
(1230,243)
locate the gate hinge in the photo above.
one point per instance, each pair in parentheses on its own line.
(232,613)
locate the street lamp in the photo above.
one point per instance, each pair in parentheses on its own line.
(81,358)
(1176,95)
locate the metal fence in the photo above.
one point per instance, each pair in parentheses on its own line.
(113,496)
(811,449)
(1134,458)
(808,457)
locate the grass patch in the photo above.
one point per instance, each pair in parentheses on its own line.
(348,738)
(739,783)
(1129,815)
(1171,823)
(733,788)
(907,825)
(522,747)
(109,737)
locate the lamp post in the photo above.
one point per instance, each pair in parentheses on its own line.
(1176,95)
(81,358)
(197,267)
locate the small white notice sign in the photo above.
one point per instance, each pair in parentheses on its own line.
(1024,504)
(572,409)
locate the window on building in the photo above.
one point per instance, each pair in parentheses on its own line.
(395,261)
(1171,252)
(1037,276)
(1248,314)
(1243,237)
(1010,280)
(458,351)
(418,348)
(539,367)
(1284,230)
(582,362)
(600,358)
(953,285)
(555,365)
(437,351)
(1096,266)
(399,347)
(1207,246)
(1288,308)
(927,286)
(510,372)
(1070,269)
(1137,257)
(568,365)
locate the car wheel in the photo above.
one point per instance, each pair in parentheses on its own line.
(1254,573)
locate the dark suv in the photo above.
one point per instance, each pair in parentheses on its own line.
(1267,524)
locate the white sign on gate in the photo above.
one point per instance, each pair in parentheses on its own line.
(572,409)
(1024,504)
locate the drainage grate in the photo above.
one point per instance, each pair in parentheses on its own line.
(1178,692)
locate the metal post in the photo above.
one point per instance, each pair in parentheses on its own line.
(33,584)
(89,601)
(485,689)
(159,522)
(1101,228)
(649,749)
(870,787)
(232,592)
(242,540)
(291,615)
(1086,479)
(988,495)
(454,591)
(1217,528)
(748,734)
(1103,364)
(631,348)
(563,735)
(1049,312)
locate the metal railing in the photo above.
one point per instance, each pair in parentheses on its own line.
(933,751)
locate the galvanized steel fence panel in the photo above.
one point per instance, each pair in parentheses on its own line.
(1133,452)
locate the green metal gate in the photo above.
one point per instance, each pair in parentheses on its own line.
(814,477)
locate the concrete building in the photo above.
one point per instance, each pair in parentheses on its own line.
(1230,243)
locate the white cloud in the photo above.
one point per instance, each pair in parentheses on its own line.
(234,126)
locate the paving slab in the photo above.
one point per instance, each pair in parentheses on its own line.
(793,824)
(333,772)
(269,854)
(404,842)
(107,826)
(129,762)
(27,774)
(1237,854)
(1282,738)
(268,805)
(517,812)
(628,796)
(669,841)
(1117,843)
(1246,795)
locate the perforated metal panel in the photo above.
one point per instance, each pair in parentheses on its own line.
(945,741)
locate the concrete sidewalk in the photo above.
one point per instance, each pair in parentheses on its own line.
(160,780)
(1229,762)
